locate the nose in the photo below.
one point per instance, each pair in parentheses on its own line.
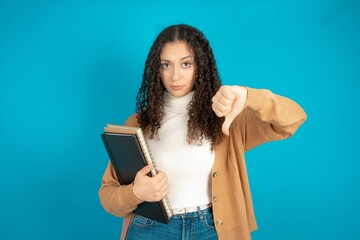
(176,74)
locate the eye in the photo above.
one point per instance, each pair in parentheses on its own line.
(186,64)
(165,65)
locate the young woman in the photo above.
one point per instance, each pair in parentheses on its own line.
(198,132)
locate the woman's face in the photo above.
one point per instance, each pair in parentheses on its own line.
(177,68)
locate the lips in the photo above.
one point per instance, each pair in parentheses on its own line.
(176,87)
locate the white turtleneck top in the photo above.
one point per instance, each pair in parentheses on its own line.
(188,167)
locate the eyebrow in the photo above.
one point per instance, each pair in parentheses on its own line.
(180,58)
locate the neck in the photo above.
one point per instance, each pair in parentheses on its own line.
(177,104)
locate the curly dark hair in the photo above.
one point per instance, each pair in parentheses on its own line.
(203,122)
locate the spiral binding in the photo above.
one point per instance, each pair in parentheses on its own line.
(149,159)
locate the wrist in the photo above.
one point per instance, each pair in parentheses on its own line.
(136,197)
(241,93)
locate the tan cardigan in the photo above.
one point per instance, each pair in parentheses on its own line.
(266,117)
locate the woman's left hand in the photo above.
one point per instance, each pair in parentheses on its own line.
(228,102)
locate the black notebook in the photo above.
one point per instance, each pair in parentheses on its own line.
(128,152)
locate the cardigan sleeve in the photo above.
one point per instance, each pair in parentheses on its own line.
(268,117)
(117,199)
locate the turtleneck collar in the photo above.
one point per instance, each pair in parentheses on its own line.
(177,104)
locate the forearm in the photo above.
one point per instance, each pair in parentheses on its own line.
(279,111)
(268,117)
(116,199)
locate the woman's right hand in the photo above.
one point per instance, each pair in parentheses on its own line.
(150,189)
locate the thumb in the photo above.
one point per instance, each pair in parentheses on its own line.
(145,170)
(236,108)
(226,125)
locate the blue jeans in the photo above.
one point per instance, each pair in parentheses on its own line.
(188,226)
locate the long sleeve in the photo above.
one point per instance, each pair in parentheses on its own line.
(268,117)
(117,199)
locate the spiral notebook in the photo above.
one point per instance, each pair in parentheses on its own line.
(129,152)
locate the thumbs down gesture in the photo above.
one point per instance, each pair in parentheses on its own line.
(228,102)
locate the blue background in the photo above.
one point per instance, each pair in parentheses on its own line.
(67,68)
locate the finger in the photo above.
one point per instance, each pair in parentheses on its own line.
(227,98)
(158,196)
(145,170)
(226,125)
(165,191)
(219,98)
(161,183)
(221,108)
(221,111)
(217,112)
(222,105)
(163,186)
(160,190)
(230,116)
(225,92)
(160,175)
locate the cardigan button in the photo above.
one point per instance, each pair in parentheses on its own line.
(214,199)
(215,174)
(219,222)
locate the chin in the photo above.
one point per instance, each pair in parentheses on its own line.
(178,93)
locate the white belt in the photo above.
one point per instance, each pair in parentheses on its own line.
(190,209)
